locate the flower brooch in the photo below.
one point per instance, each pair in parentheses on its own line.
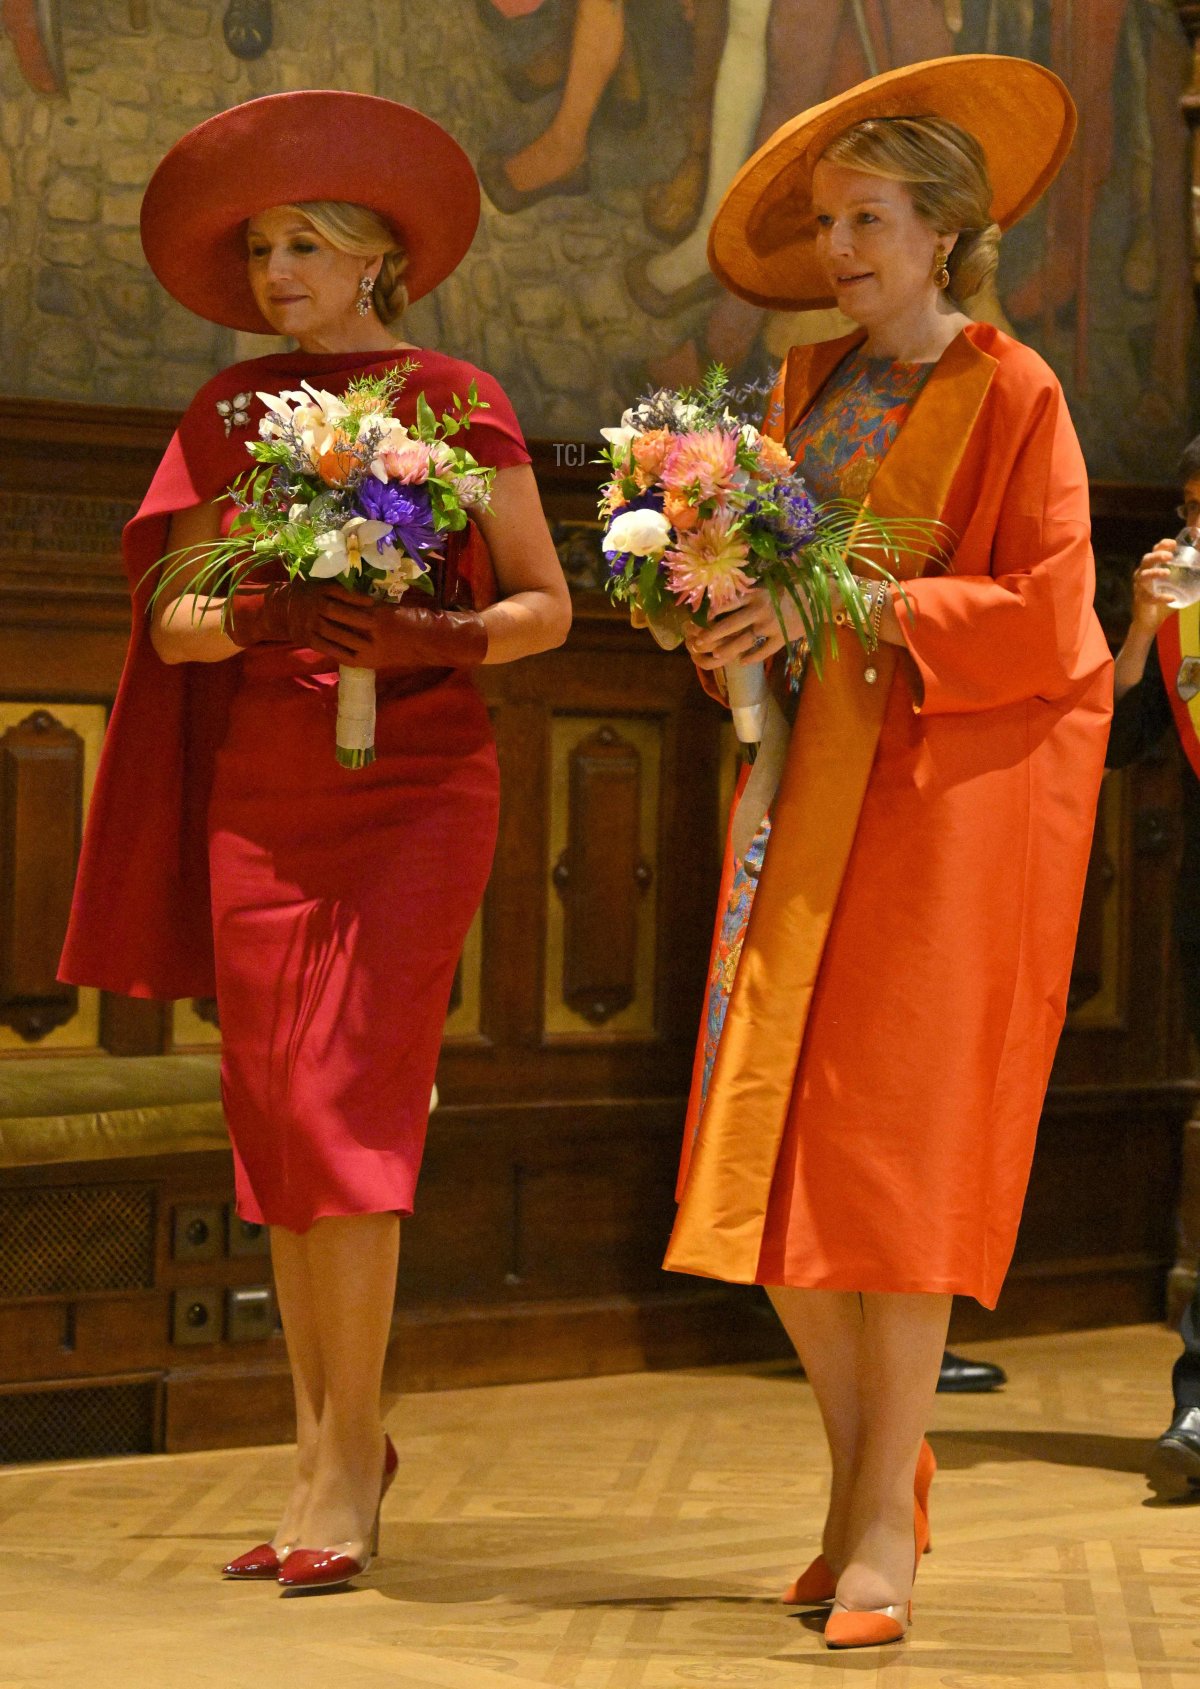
(235,412)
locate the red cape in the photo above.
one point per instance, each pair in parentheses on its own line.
(141,921)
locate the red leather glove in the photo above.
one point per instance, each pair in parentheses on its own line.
(384,636)
(287,613)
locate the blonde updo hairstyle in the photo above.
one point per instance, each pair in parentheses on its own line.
(944,168)
(364,234)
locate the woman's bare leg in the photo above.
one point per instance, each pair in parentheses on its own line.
(826,1328)
(290,1269)
(903,1338)
(740,85)
(351,1265)
(596,47)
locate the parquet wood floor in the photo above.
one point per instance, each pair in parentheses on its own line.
(632,1533)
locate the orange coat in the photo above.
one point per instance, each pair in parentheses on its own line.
(871,1115)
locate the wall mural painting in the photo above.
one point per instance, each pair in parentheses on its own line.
(604,132)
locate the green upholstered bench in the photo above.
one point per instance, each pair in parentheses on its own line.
(98,1108)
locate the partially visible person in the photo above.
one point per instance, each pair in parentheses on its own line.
(1157,685)
(960,1377)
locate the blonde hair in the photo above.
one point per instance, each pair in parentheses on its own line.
(363,233)
(944,168)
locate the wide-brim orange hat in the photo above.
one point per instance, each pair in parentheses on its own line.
(284,149)
(762,242)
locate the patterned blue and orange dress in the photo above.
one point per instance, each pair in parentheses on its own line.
(837,446)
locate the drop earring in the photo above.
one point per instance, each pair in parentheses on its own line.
(366,288)
(941,273)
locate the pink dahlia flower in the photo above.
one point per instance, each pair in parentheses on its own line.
(713,561)
(407,462)
(701,465)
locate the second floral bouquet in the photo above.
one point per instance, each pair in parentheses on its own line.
(702,507)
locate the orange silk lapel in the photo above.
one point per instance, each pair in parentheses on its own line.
(722,1210)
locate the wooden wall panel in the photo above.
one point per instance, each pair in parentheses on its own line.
(601,928)
(48,756)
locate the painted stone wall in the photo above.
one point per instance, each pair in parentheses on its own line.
(603,129)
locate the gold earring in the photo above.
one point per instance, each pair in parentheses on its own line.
(366,288)
(941,274)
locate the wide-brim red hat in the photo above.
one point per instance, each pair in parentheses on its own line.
(762,243)
(285,149)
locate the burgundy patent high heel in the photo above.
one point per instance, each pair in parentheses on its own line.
(261,1561)
(324,1568)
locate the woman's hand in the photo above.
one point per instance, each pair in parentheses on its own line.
(1149,613)
(380,636)
(308,618)
(1150,610)
(748,633)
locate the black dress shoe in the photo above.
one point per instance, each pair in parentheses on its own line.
(1174,1468)
(964,1377)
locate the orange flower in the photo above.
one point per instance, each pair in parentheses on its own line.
(774,460)
(682,516)
(650,452)
(337,463)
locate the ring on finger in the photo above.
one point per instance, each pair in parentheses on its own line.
(757,643)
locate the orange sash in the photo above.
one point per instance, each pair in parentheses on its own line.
(723,1205)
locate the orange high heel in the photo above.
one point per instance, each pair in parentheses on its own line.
(324,1568)
(817,1583)
(926,1468)
(874,1627)
(852,1627)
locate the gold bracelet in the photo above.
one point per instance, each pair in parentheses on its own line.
(877,609)
(874,624)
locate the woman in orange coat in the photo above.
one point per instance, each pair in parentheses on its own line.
(893,950)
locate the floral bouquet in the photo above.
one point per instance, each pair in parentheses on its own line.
(345,491)
(701,507)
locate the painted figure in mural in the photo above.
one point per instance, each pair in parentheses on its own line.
(556,162)
(226,848)
(887,988)
(1098,49)
(764,59)
(778,57)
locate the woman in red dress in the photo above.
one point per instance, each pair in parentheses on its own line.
(225,844)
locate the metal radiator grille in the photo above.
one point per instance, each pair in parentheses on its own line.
(77,1424)
(57,1241)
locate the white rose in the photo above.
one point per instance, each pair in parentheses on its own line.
(639,532)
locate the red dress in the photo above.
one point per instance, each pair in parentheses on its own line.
(338,899)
